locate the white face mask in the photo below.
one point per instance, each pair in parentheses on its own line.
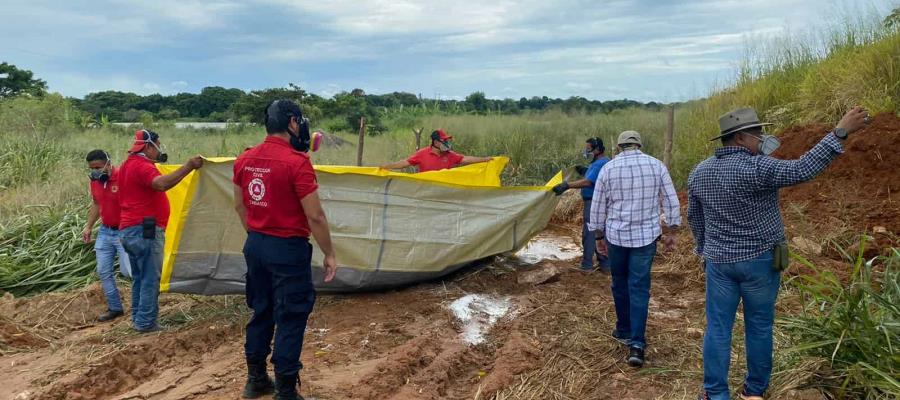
(767,144)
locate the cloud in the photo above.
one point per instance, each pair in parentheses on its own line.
(619,48)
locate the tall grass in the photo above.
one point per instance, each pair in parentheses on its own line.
(851,330)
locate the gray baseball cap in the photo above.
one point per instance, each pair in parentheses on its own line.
(737,120)
(629,137)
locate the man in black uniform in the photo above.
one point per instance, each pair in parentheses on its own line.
(275,197)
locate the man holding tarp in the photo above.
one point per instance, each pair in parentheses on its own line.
(734,216)
(145,214)
(436,157)
(275,197)
(594,152)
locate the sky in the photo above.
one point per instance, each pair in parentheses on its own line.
(637,49)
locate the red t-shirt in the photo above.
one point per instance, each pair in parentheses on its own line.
(273,178)
(137,198)
(426,160)
(106,195)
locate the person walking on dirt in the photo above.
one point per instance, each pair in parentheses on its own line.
(594,152)
(277,202)
(436,157)
(144,216)
(736,222)
(105,207)
(630,194)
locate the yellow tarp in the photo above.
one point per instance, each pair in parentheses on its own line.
(388,228)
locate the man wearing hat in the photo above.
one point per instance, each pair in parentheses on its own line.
(632,195)
(275,193)
(735,219)
(436,157)
(594,151)
(144,216)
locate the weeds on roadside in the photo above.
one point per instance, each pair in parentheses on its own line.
(849,333)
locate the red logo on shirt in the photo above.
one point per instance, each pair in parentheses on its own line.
(114,188)
(257,189)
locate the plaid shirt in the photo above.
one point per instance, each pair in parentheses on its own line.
(733,199)
(627,199)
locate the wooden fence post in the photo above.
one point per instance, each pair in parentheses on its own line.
(418,133)
(362,138)
(670,133)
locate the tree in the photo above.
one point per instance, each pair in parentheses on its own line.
(893,20)
(14,81)
(477,101)
(252,106)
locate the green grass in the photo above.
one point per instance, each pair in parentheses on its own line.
(850,331)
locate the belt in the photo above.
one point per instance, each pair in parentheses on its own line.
(114,228)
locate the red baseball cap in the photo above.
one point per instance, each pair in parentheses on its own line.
(440,135)
(141,138)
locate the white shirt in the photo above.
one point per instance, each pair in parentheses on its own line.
(628,199)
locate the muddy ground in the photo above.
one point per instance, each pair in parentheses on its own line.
(554,343)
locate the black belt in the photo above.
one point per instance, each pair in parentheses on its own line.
(115,228)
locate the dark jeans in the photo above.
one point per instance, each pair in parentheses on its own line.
(146,256)
(588,242)
(631,290)
(756,284)
(281,293)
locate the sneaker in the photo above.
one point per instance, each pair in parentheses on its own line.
(620,337)
(110,315)
(636,357)
(703,396)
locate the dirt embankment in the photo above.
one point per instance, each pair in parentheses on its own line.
(862,186)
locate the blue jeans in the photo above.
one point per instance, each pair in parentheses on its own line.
(106,247)
(756,284)
(631,290)
(146,257)
(280,291)
(588,242)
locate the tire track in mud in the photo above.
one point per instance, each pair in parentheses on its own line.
(145,361)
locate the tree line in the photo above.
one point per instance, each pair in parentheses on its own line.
(219,104)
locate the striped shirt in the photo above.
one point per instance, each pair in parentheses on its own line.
(733,199)
(632,192)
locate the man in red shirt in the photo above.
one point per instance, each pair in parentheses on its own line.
(436,157)
(105,207)
(145,213)
(275,197)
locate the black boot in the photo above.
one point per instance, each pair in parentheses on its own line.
(286,387)
(258,382)
(109,315)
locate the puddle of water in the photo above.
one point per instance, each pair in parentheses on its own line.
(548,247)
(478,313)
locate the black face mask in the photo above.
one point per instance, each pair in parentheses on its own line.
(162,157)
(301,140)
(99,175)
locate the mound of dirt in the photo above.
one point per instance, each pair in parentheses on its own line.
(862,185)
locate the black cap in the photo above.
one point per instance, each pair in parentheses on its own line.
(280,108)
(279,113)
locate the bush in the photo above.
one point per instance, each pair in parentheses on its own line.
(51,115)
